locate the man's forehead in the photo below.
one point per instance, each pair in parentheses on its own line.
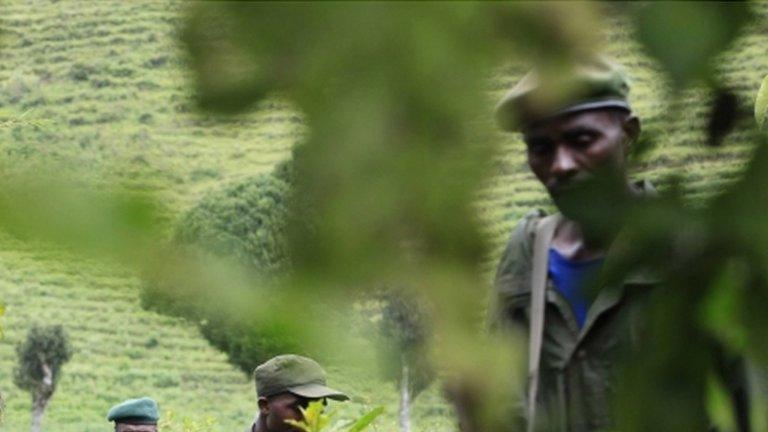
(560,124)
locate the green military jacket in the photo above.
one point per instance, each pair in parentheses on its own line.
(578,367)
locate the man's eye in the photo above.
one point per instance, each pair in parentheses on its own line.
(584,139)
(539,147)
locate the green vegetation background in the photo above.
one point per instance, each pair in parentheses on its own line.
(106,93)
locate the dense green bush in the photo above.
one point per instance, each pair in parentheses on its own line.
(246,222)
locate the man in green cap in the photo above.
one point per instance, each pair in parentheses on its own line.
(284,385)
(578,127)
(135,415)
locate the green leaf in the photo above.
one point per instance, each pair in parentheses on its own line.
(314,419)
(365,421)
(686,36)
(718,404)
(721,311)
(299,424)
(761,103)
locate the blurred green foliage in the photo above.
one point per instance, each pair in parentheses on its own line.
(392,159)
(57,209)
(686,37)
(761,103)
(381,90)
(392,99)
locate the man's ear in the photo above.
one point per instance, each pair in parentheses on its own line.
(263,406)
(632,129)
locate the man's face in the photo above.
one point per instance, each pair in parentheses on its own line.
(564,152)
(281,407)
(125,427)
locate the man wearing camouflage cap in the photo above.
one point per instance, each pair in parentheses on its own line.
(135,415)
(284,385)
(578,127)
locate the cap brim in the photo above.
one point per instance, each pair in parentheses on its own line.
(135,421)
(593,105)
(317,391)
(505,122)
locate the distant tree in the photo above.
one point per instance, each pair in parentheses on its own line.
(40,358)
(404,326)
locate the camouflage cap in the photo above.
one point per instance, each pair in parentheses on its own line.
(595,83)
(134,411)
(295,374)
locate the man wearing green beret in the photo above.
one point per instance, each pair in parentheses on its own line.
(135,415)
(578,127)
(284,385)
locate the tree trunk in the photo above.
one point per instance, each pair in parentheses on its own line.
(41,397)
(38,409)
(405,399)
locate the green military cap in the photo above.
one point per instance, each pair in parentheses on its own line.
(594,83)
(134,411)
(295,374)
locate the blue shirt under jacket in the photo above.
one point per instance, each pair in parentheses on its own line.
(571,279)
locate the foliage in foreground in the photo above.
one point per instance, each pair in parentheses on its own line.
(130,122)
(315,419)
(393,158)
(247,222)
(395,116)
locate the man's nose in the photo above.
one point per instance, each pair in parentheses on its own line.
(563,162)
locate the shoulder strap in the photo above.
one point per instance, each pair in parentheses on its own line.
(545,230)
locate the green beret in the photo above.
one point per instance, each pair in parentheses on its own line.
(295,374)
(595,83)
(134,411)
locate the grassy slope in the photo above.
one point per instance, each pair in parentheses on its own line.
(109,84)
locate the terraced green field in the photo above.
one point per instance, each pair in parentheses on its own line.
(107,90)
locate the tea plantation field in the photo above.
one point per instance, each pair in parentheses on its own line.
(105,89)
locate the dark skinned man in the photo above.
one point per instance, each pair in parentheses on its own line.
(578,130)
(135,415)
(284,385)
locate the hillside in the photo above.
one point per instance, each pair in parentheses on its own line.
(106,82)
(107,88)
(104,89)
